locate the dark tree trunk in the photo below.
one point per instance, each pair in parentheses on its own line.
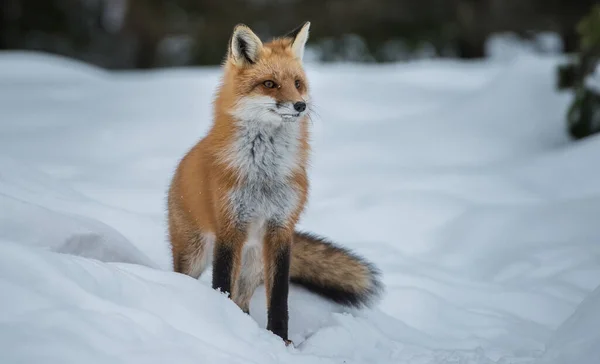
(471,17)
(570,40)
(3,26)
(145,56)
(9,15)
(471,48)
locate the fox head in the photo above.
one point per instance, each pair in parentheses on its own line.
(266,82)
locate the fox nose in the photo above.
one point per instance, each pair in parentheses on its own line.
(300,106)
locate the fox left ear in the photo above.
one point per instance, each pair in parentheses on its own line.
(299,36)
(244,46)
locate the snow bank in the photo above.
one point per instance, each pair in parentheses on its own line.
(24,66)
(593,80)
(576,340)
(456,179)
(37,211)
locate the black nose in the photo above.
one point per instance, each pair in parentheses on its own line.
(300,106)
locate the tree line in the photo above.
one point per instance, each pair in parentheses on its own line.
(156,33)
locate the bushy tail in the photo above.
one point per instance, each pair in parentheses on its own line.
(333,272)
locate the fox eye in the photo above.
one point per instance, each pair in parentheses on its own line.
(297,83)
(269,84)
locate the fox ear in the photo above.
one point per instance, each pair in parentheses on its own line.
(299,37)
(244,46)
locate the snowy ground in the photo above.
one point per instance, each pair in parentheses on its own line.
(456,179)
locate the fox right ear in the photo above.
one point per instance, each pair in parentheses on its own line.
(299,37)
(244,46)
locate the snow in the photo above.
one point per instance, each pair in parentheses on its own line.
(593,80)
(456,178)
(507,45)
(576,341)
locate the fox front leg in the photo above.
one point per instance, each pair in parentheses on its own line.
(277,255)
(227,260)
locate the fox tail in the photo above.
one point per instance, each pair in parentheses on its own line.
(334,272)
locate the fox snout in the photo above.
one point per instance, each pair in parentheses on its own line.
(290,109)
(298,106)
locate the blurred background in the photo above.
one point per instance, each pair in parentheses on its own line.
(146,34)
(139,34)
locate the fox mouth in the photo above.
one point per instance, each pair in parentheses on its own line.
(288,116)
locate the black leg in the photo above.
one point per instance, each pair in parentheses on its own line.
(278,303)
(222,267)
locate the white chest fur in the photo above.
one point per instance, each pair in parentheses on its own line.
(266,155)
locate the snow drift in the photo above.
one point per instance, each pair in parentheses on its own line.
(456,179)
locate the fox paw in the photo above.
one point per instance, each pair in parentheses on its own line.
(288,342)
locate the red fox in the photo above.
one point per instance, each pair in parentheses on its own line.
(237,195)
